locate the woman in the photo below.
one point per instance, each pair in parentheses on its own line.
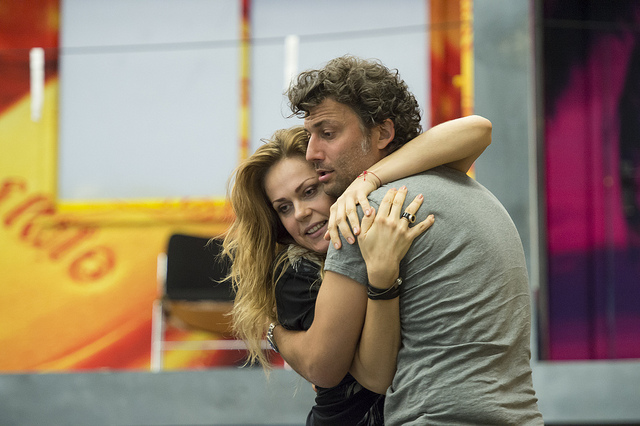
(277,244)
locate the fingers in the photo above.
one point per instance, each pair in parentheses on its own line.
(367,221)
(342,212)
(332,229)
(366,207)
(344,219)
(352,219)
(421,227)
(386,203)
(398,201)
(413,207)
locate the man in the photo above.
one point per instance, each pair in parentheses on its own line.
(464,299)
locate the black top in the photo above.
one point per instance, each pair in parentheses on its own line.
(348,403)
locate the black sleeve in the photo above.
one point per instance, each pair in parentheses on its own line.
(296,293)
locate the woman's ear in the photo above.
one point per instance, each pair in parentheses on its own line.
(386,133)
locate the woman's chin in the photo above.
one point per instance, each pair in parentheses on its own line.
(323,246)
(317,245)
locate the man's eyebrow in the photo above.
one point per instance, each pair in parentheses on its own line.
(323,122)
(318,123)
(313,125)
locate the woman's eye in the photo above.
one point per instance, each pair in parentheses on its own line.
(310,191)
(284,209)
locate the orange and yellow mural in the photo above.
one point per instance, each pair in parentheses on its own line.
(77,282)
(451,59)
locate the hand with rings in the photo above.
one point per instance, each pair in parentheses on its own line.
(386,236)
(410,217)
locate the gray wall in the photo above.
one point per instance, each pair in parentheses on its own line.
(150,88)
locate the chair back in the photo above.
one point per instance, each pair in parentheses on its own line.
(196,270)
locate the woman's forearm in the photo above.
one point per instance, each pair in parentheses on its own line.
(384,241)
(455,143)
(374,364)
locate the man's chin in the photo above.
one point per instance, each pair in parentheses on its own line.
(334,189)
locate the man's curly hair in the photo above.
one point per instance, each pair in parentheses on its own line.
(372,90)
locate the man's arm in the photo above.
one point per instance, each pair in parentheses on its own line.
(324,353)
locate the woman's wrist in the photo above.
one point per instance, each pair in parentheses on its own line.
(383,278)
(375,293)
(271,338)
(368,175)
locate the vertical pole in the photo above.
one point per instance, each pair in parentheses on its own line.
(245,67)
(466,57)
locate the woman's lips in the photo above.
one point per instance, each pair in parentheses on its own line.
(318,227)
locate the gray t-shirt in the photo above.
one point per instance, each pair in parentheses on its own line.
(464,309)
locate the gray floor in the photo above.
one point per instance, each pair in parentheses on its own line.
(585,393)
(211,397)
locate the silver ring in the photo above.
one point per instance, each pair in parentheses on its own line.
(410,217)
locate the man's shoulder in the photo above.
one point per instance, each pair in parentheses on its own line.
(435,174)
(347,261)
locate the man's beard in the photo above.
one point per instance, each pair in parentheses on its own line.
(344,172)
(339,185)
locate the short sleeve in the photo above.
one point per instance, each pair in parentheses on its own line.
(348,260)
(296,293)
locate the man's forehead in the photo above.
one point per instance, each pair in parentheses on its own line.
(311,123)
(327,112)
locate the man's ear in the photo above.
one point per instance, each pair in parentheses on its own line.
(386,132)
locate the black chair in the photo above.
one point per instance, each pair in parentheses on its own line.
(192,295)
(195,270)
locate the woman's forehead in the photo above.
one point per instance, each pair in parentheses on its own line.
(285,177)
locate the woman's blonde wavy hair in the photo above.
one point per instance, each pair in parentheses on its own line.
(256,238)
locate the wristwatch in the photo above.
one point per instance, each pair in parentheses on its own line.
(270,339)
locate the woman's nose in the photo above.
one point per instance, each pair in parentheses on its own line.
(302,211)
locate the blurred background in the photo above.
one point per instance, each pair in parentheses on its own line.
(122,120)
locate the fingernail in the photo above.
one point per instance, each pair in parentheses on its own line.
(420,196)
(403,188)
(432,217)
(351,240)
(355,230)
(336,245)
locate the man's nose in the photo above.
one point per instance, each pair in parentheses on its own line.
(313,152)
